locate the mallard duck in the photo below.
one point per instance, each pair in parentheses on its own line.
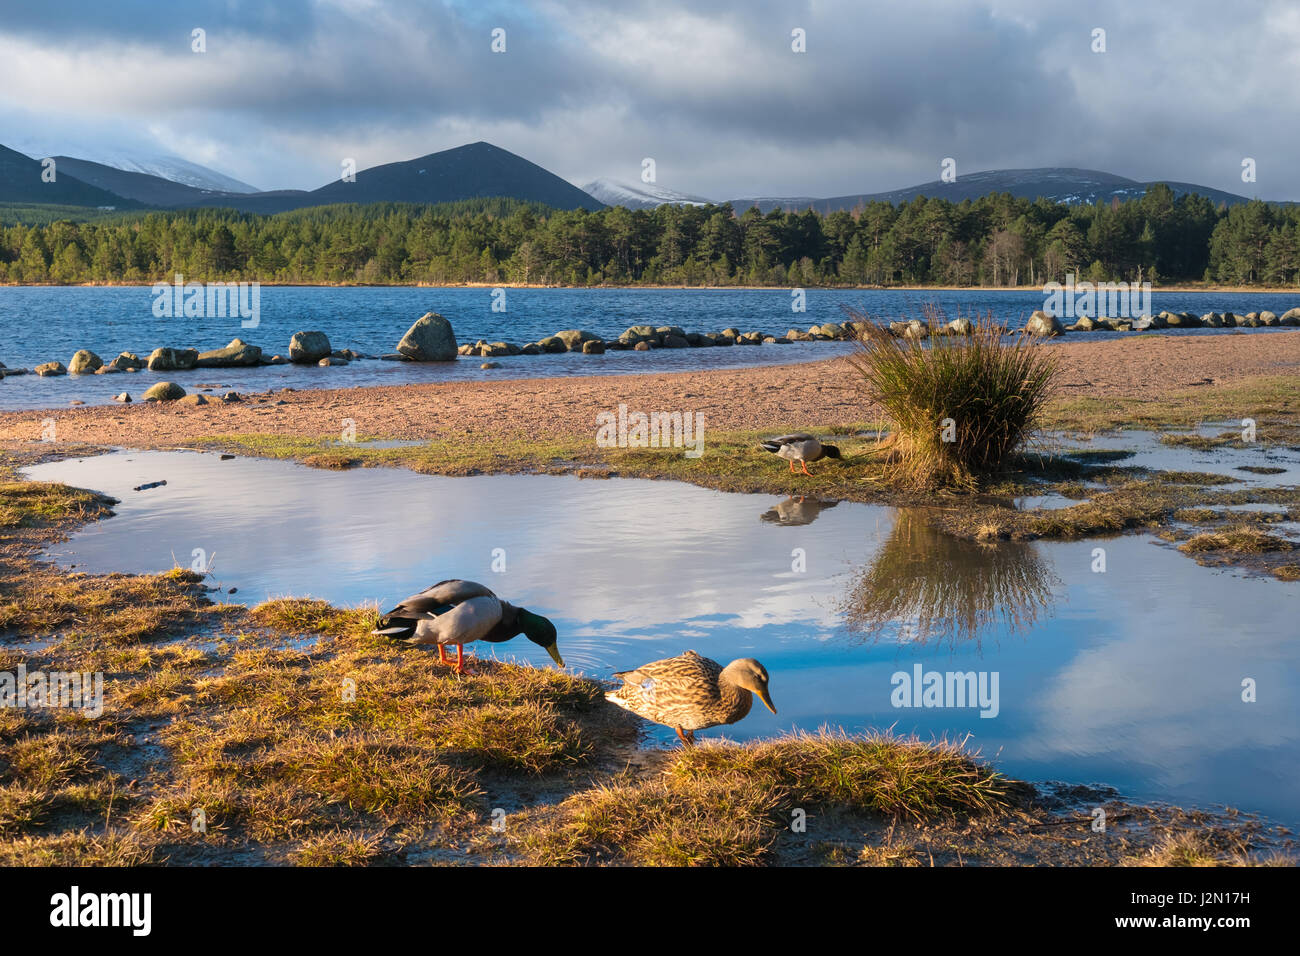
(690,692)
(801,448)
(461,612)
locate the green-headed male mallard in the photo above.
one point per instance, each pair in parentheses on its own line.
(690,692)
(801,448)
(461,612)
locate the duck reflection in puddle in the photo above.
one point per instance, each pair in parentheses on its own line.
(796,511)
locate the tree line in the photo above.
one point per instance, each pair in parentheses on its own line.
(996,240)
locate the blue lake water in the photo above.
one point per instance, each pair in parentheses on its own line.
(40,324)
(1130,678)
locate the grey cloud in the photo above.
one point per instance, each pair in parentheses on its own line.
(883,93)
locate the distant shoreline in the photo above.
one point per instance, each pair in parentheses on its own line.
(1241,290)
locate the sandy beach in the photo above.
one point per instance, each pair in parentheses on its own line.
(754,398)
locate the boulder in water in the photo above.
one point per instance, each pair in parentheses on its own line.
(1040,323)
(85,362)
(307,348)
(237,353)
(430,339)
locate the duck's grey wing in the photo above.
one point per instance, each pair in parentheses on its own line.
(792,439)
(465,623)
(435,598)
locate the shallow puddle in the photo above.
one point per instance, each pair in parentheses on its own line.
(1130,677)
(1148,451)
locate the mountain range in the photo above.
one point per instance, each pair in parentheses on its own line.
(483,170)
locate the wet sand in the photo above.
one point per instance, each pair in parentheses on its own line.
(756,398)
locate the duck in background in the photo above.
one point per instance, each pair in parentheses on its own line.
(801,448)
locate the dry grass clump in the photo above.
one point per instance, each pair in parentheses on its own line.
(728,805)
(307,615)
(78,848)
(876,773)
(958,405)
(340,848)
(30,504)
(1204,849)
(1241,539)
(117,609)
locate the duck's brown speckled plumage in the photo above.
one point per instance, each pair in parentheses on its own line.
(687,693)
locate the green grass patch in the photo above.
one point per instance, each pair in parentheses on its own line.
(30,504)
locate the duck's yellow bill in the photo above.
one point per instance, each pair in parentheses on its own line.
(554,651)
(767,700)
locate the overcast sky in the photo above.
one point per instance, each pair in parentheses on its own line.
(710,89)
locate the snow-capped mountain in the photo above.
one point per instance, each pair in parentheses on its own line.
(176,169)
(644,196)
(137,160)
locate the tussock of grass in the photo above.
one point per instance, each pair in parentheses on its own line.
(80,848)
(728,805)
(332,461)
(710,822)
(29,504)
(1192,478)
(1287,572)
(1211,849)
(44,773)
(993,393)
(876,773)
(341,848)
(1202,442)
(306,615)
(523,737)
(182,575)
(1241,539)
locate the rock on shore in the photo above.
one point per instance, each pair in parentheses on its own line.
(164,392)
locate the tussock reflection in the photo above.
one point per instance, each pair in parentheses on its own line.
(932,586)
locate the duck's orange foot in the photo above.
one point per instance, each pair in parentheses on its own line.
(460,667)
